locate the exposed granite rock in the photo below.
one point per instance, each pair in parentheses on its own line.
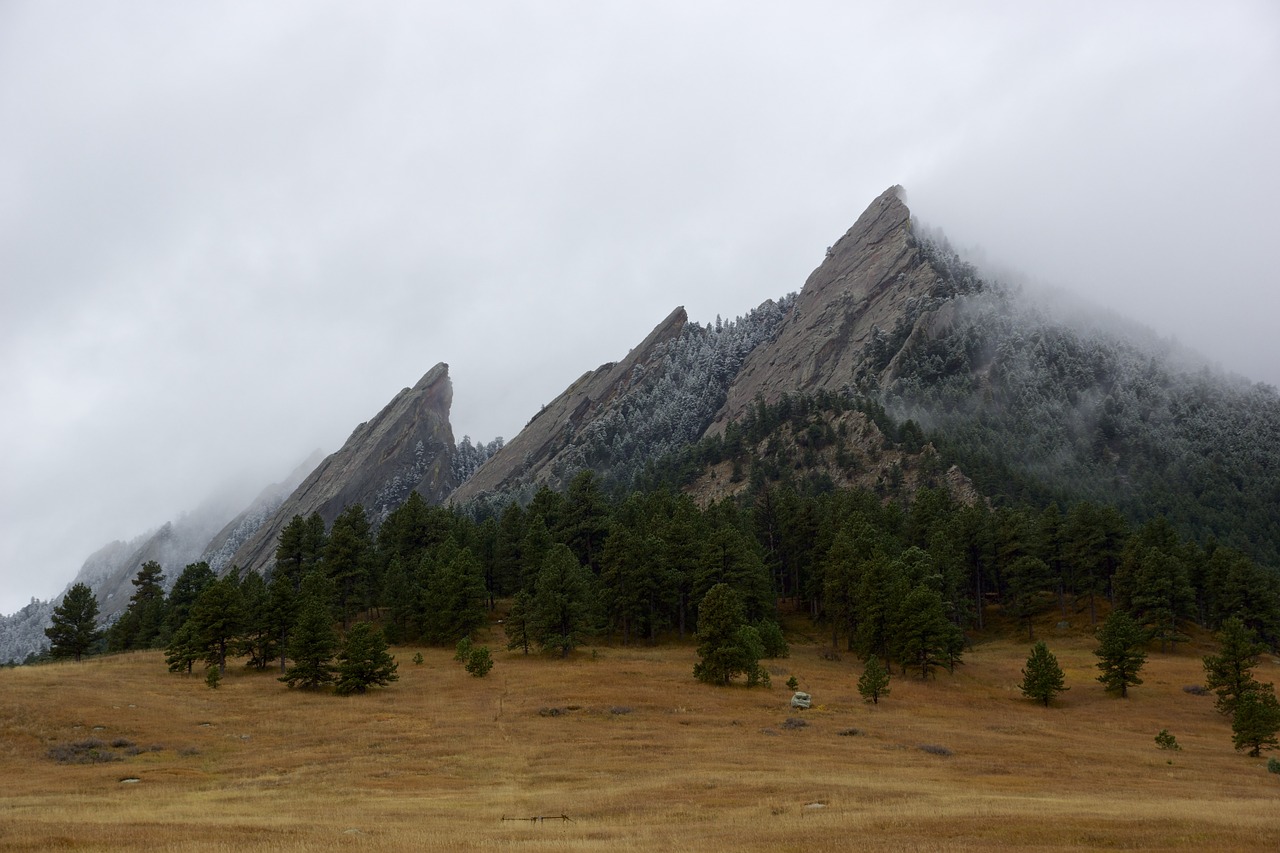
(866,282)
(408,446)
(539,453)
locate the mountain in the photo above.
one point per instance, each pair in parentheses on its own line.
(219,551)
(898,366)
(407,446)
(873,278)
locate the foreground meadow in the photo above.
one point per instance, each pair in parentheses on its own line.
(635,753)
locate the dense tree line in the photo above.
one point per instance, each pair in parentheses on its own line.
(902,581)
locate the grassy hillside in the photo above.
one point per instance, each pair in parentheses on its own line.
(639,757)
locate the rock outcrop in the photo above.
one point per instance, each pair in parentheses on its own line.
(544,451)
(408,446)
(219,550)
(865,284)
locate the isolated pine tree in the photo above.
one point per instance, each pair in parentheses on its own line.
(364,661)
(75,624)
(1257,720)
(1042,679)
(874,681)
(1120,653)
(1229,673)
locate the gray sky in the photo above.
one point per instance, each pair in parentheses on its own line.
(230,232)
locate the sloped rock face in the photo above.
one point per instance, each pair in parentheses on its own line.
(219,550)
(542,452)
(867,283)
(408,446)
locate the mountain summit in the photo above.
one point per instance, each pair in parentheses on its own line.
(407,446)
(871,277)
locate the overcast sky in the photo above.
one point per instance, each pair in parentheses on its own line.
(230,232)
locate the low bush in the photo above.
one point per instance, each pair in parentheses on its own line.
(90,751)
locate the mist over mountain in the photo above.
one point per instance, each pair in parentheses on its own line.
(898,365)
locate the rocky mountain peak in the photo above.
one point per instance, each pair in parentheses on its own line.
(407,446)
(866,283)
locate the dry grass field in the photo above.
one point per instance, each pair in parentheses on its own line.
(639,757)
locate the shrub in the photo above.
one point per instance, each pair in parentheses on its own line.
(934,749)
(462,652)
(90,751)
(1164,740)
(479,661)
(792,684)
(1273,766)
(417,659)
(849,732)
(794,723)
(1195,690)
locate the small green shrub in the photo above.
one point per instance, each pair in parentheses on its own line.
(1164,740)
(417,659)
(479,662)
(792,684)
(934,749)
(462,652)
(1273,765)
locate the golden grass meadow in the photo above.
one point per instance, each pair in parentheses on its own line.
(635,753)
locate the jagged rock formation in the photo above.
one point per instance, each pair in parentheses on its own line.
(408,446)
(219,551)
(873,276)
(622,416)
(538,454)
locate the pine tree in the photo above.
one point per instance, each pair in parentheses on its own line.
(312,642)
(517,626)
(364,661)
(563,602)
(257,639)
(1257,720)
(347,560)
(74,631)
(1042,679)
(923,637)
(1120,654)
(874,681)
(453,600)
(184,649)
(216,618)
(142,622)
(1229,673)
(727,645)
(186,589)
